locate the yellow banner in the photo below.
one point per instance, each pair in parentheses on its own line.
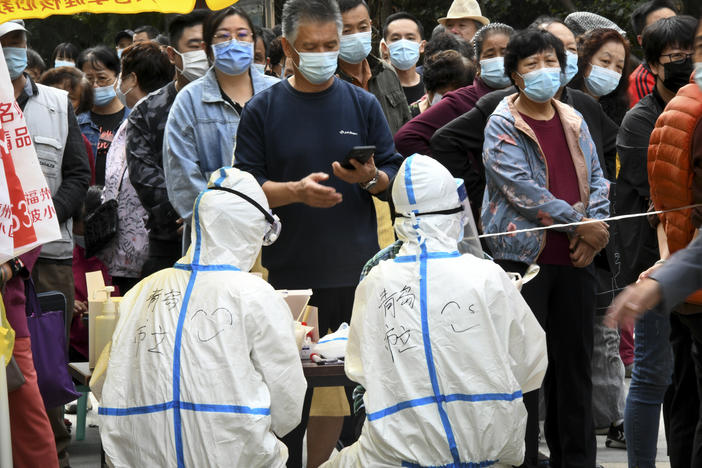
(27,9)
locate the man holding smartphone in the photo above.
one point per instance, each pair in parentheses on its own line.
(293,138)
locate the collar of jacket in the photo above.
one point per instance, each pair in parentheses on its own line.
(376,65)
(571,122)
(211,90)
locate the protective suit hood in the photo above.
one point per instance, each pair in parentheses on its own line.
(424,186)
(231,236)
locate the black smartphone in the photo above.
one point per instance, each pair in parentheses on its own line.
(360,153)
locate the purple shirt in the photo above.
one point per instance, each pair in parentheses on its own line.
(562,183)
(14,298)
(414,136)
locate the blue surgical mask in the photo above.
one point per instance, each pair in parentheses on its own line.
(571,68)
(404,54)
(492,72)
(16,59)
(542,84)
(63,63)
(317,67)
(233,57)
(104,95)
(355,48)
(602,81)
(698,74)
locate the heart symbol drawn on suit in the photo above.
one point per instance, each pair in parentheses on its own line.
(209,325)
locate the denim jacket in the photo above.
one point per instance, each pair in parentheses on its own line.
(200,137)
(516,193)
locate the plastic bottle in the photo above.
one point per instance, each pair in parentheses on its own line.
(105,323)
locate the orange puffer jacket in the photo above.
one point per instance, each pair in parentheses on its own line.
(670,171)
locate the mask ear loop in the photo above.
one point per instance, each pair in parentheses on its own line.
(274,224)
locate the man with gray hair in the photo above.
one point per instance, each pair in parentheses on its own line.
(293,137)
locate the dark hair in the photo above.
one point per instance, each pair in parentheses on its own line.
(179,23)
(638,16)
(265,35)
(448,41)
(209,28)
(162,40)
(402,15)
(75,79)
(447,68)
(150,65)
(298,11)
(346,5)
(66,50)
(150,31)
(487,30)
(676,31)
(529,42)
(34,60)
(276,53)
(616,103)
(99,54)
(278,30)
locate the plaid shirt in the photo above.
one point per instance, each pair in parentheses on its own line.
(387,253)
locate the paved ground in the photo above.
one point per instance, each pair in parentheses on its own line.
(86,454)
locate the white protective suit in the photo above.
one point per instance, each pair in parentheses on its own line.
(204,367)
(443,343)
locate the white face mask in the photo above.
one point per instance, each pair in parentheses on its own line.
(437,97)
(122,96)
(195,64)
(261,67)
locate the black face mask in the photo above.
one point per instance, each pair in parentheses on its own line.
(677,74)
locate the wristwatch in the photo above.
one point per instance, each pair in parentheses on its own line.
(371,183)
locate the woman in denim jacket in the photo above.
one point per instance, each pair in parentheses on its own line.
(201,129)
(541,168)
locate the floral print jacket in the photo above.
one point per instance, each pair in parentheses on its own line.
(516,192)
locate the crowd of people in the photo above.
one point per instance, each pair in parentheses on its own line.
(222,148)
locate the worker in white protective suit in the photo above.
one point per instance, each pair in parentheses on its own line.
(204,369)
(443,343)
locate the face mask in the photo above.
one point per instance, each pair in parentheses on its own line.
(261,67)
(355,47)
(122,96)
(677,75)
(317,67)
(104,94)
(542,84)
(492,72)
(195,64)
(404,54)
(571,68)
(233,57)
(63,63)
(16,59)
(698,74)
(437,97)
(602,81)
(119,52)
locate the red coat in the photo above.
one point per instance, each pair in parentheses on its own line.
(670,168)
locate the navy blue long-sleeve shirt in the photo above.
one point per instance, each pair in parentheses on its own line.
(284,135)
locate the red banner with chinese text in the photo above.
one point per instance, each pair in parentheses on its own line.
(29,195)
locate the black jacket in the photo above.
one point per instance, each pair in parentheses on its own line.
(459,144)
(638,239)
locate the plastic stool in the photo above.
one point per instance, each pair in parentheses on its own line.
(81,411)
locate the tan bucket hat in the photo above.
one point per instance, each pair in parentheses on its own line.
(464,9)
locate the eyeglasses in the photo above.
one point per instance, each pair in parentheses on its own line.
(240,35)
(678,57)
(100,80)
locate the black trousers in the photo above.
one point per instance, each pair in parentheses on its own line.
(335,306)
(563,300)
(681,406)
